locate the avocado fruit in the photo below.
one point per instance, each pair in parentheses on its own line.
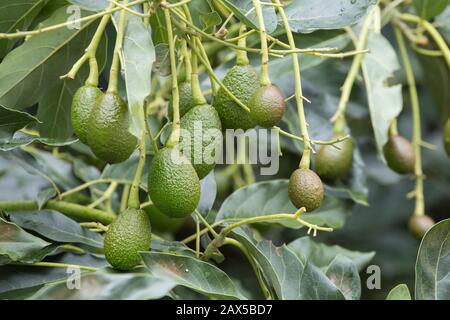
(162,223)
(84,100)
(305,189)
(108,134)
(202,155)
(334,161)
(173,184)
(242,81)
(419,225)
(267,106)
(447,137)
(126,236)
(186,100)
(399,154)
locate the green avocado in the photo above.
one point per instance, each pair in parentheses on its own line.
(203,131)
(305,189)
(399,154)
(267,106)
(419,225)
(186,100)
(242,81)
(161,222)
(333,163)
(108,134)
(447,137)
(126,236)
(83,103)
(173,184)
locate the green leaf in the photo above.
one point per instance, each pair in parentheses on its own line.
(192,273)
(57,227)
(19,282)
(208,192)
(91,5)
(290,277)
(428,9)
(162,60)
(322,255)
(12,120)
(433,264)
(203,16)
(107,284)
(442,22)
(399,292)
(17,245)
(138,58)
(38,63)
(54,110)
(344,274)
(43,197)
(16,15)
(306,16)
(271,197)
(244,11)
(385,103)
(21,139)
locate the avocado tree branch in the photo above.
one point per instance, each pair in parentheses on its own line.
(22,34)
(419,208)
(265,80)
(339,117)
(440,42)
(69,209)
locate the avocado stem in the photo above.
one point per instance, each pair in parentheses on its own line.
(419,209)
(175,134)
(241,56)
(197,94)
(265,80)
(305,161)
(354,69)
(186,59)
(113,86)
(393,130)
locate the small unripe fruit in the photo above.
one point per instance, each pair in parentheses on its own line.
(334,162)
(267,106)
(447,137)
(305,189)
(399,154)
(419,225)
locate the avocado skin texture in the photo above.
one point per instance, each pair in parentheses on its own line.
(447,137)
(419,225)
(267,106)
(108,134)
(174,188)
(162,223)
(242,81)
(186,100)
(399,154)
(126,236)
(209,119)
(83,103)
(332,163)
(305,189)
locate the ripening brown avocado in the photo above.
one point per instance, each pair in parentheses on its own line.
(447,137)
(267,106)
(334,162)
(305,189)
(419,225)
(399,154)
